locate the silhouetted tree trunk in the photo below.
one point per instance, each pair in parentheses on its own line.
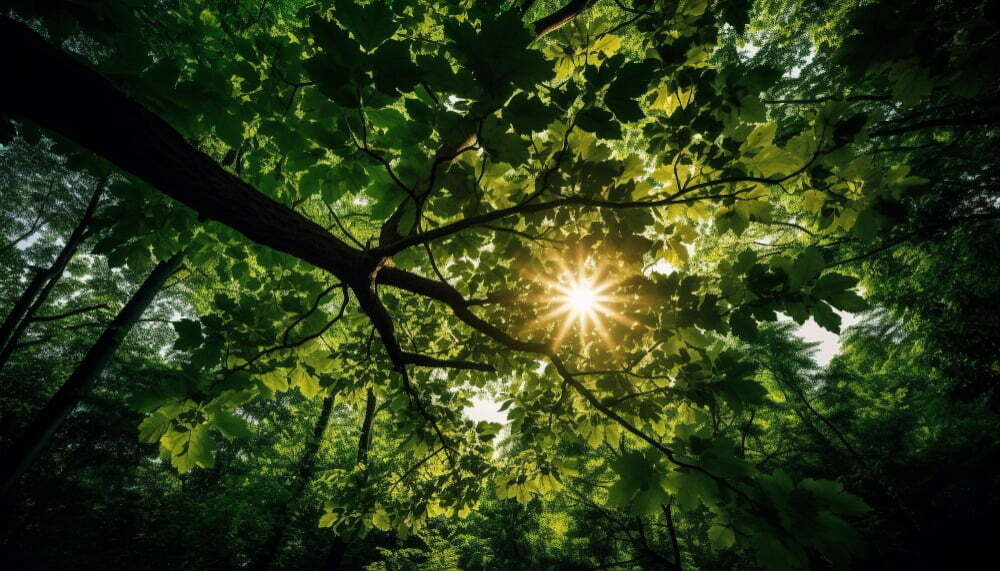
(37,292)
(338,548)
(305,473)
(22,454)
(335,557)
(105,120)
(667,513)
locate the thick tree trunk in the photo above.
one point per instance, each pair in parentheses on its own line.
(305,473)
(38,290)
(50,88)
(38,434)
(143,144)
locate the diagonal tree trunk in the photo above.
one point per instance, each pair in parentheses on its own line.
(138,141)
(105,120)
(37,292)
(36,437)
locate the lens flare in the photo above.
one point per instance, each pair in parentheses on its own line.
(584,301)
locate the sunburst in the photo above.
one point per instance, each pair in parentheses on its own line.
(582,299)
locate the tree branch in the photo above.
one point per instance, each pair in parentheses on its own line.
(71,313)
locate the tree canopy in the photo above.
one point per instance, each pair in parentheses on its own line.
(260,257)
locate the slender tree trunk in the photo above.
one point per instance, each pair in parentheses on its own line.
(338,548)
(19,458)
(673,535)
(788,381)
(365,440)
(21,306)
(335,557)
(38,290)
(307,465)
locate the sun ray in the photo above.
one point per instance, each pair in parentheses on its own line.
(584,301)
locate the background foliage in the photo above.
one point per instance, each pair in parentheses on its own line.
(361,213)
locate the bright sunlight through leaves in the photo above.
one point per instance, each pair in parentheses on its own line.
(583,300)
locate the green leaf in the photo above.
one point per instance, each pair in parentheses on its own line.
(721,536)
(826,317)
(722,461)
(910,82)
(371,24)
(744,326)
(622,98)
(867,225)
(832,496)
(160,394)
(334,80)
(328,518)
(229,128)
(393,69)
(807,267)
(691,488)
(307,384)
(772,554)
(600,122)
(189,334)
(650,500)
(621,493)
(381,520)
(231,426)
(317,180)
(190,448)
(832,283)
(154,426)
(529,114)
(847,301)
(742,393)
(761,137)
(276,380)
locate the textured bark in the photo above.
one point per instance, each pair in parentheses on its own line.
(50,88)
(36,437)
(108,122)
(42,283)
(560,17)
(105,120)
